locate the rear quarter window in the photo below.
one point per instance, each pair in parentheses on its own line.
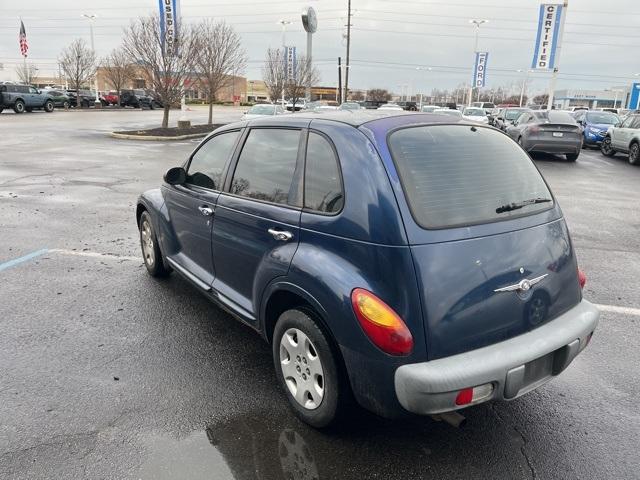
(459,175)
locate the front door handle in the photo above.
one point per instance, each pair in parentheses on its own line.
(206,211)
(281,235)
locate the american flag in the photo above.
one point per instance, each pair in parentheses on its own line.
(24,46)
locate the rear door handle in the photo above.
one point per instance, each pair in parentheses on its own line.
(281,235)
(206,211)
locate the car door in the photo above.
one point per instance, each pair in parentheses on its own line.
(514,130)
(256,225)
(620,136)
(191,207)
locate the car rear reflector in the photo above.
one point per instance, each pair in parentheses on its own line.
(475,394)
(381,324)
(582,278)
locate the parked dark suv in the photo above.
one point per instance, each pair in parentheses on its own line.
(416,262)
(136,98)
(24,98)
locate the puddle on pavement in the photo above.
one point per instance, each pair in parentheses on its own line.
(269,446)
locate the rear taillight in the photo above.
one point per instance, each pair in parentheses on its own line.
(381,324)
(533,129)
(582,278)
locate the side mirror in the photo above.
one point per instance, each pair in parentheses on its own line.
(175,176)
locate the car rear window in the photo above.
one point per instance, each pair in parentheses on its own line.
(457,175)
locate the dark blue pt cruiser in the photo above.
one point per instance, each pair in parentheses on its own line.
(412,262)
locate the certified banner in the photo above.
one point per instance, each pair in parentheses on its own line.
(169,26)
(544,57)
(290,63)
(480,69)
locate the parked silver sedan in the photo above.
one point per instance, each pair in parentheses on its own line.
(548,132)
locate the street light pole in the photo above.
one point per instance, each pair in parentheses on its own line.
(284,24)
(477,24)
(428,69)
(524,84)
(91,19)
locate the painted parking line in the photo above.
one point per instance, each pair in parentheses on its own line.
(24,258)
(113,256)
(617,309)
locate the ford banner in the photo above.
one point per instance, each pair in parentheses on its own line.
(548,36)
(480,69)
(169,26)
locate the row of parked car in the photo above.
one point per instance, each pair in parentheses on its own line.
(26,98)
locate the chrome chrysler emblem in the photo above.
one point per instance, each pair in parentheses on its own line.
(522,286)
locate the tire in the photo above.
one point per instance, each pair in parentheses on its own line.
(572,157)
(153,259)
(85,104)
(634,154)
(19,107)
(606,148)
(48,106)
(1,109)
(65,105)
(299,342)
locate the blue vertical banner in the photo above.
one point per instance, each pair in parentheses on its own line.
(169,26)
(547,38)
(480,69)
(290,63)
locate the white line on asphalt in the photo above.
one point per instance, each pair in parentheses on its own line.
(94,254)
(616,309)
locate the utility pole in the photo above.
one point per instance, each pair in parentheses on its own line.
(346,73)
(554,76)
(91,19)
(340,80)
(477,24)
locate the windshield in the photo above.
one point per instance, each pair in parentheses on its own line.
(513,114)
(602,117)
(474,112)
(453,113)
(455,175)
(262,110)
(428,109)
(350,106)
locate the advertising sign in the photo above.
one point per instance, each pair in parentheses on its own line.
(547,38)
(290,63)
(169,26)
(480,69)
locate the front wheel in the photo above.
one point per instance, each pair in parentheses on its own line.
(48,106)
(606,148)
(572,157)
(150,248)
(307,369)
(65,105)
(634,154)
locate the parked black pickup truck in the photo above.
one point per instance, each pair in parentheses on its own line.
(24,98)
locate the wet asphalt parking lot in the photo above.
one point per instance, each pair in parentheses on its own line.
(106,373)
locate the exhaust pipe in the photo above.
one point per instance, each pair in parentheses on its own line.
(452,418)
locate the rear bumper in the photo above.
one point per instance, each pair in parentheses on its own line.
(513,367)
(553,146)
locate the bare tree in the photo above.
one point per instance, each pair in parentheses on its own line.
(118,69)
(165,69)
(273,73)
(27,72)
(79,64)
(379,95)
(220,58)
(304,73)
(356,95)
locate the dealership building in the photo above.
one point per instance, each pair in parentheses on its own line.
(620,97)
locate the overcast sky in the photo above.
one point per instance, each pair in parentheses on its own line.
(390,38)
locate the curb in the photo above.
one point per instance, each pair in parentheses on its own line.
(151,138)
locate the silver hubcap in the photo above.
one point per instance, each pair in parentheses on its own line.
(302,368)
(147,243)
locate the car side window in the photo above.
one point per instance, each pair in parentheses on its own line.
(266,166)
(627,122)
(322,183)
(636,123)
(32,90)
(208,162)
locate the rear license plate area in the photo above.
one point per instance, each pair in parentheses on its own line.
(558,134)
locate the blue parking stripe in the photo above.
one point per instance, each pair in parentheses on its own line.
(25,258)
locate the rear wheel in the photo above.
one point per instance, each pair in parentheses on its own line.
(307,368)
(606,148)
(572,157)
(150,248)
(65,105)
(18,107)
(634,154)
(48,106)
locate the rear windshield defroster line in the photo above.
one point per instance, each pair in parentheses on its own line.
(459,175)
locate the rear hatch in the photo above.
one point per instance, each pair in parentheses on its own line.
(491,250)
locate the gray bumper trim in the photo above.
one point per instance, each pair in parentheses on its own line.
(431,387)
